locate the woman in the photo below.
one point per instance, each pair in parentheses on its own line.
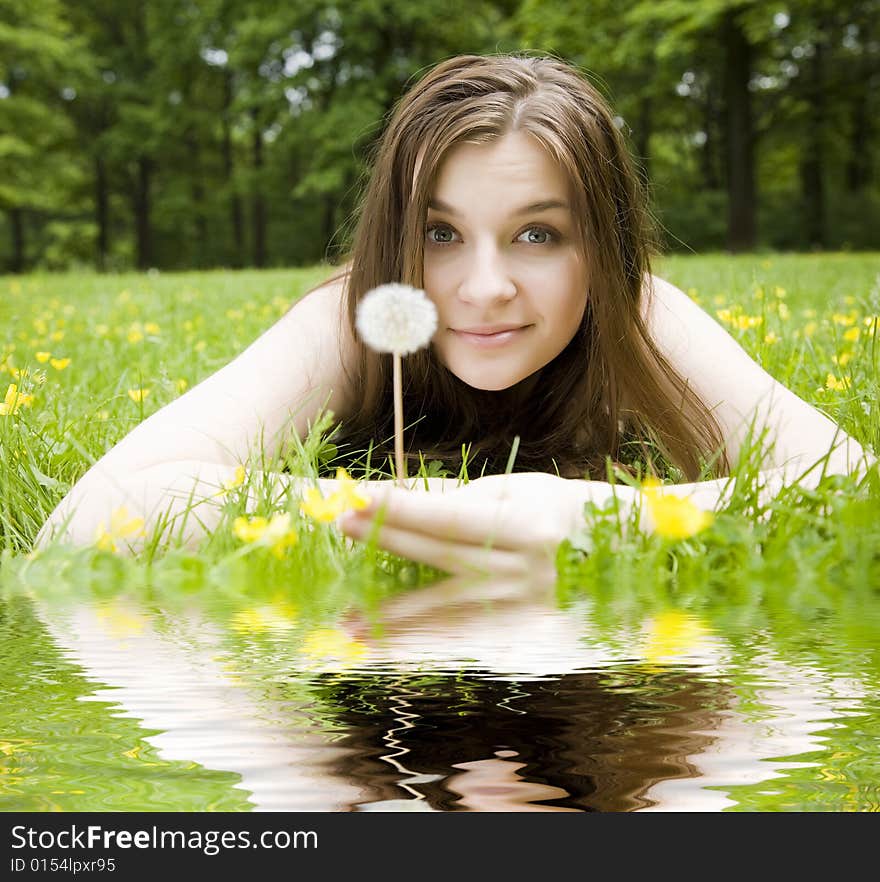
(503,188)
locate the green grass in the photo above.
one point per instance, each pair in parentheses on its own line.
(795,314)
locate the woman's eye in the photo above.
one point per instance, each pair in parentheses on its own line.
(544,237)
(443,237)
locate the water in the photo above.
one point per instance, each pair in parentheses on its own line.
(459,698)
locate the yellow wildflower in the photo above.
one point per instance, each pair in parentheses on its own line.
(280,534)
(724,314)
(152,328)
(784,311)
(346,497)
(851,335)
(181,384)
(249,529)
(842,359)
(276,534)
(200,346)
(318,508)
(122,526)
(42,357)
(771,338)
(673,517)
(831,382)
(840,318)
(56,336)
(810,328)
(138,395)
(351,496)
(135,335)
(14,400)
(747,321)
(779,292)
(59,363)
(235,481)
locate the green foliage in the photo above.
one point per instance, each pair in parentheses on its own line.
(237,132)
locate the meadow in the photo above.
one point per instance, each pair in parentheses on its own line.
(88,356)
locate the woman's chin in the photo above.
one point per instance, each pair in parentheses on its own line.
(486,382)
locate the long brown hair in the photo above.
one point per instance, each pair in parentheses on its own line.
(610,391)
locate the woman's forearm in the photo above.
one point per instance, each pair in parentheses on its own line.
(183,498)
(715,495)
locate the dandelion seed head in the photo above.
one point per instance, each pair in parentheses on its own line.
(396,318)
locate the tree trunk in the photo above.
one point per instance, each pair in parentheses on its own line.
(812,179)
(142,206)
(858,163)
(102,212)
(236,213)
(739,147)
(16,226)
(258,206)
(197,193)
(859,170)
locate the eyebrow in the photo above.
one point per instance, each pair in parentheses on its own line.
(534,207)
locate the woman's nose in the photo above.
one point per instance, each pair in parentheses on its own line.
(486,278)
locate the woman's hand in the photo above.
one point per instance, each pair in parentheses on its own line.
(501,525)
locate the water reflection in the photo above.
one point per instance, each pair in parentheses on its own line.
(178,683)
(459,697)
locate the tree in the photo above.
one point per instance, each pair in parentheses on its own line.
(40,60)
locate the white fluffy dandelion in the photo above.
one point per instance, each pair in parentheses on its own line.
(396,318)
(399,319)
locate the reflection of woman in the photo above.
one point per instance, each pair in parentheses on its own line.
(487,745)
(503,188)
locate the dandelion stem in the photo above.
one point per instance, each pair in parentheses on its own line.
(399,464)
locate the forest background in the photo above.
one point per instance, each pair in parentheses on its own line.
(235,133)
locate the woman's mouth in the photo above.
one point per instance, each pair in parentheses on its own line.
(491,341)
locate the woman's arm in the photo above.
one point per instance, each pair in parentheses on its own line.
(510,526)
(184,498)
(739,392)
(277,385)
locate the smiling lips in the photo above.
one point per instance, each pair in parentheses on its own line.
(489,337)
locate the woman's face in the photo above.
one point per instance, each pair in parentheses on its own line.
(501,253)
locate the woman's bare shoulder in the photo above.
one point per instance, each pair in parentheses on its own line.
(296,367)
